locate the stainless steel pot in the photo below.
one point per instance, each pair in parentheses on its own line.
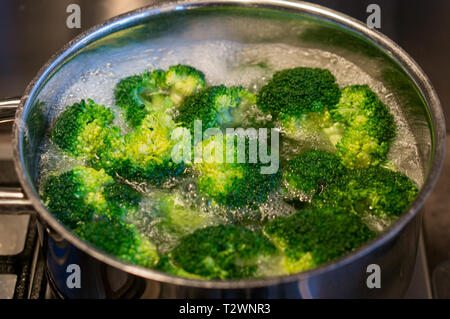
(103,276)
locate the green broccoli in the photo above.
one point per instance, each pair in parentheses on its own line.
(177,217)
(183,81)
(122,196)
(94,207)
(374,190)
(232,184)
(156,91)
(222,252)
(136,95)
(298,91)
(107,157)
(84,194)
(83,129)
(216,106)
(314,128)
(312,237)
(370,127)
(119,239)
(300,98)
(311,172)
(76,196)
(146,153)
(143,155)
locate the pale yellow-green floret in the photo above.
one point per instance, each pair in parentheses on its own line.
(91,139)
(216,176)
(370,127)
(151,141)
(146,153)
(183,81)
(316,126)
(359,148)
(92,184)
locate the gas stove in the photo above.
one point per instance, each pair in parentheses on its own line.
(22,268)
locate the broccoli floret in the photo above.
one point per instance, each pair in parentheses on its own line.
(106,158)
(83,129)
(177,217)
(183,81)
(311,172)
(94,207)
(157,91)
(77,196)
(298,91)
(357,149)
(122,196)
(216,106)
(232,184)
(374,190)
(120,240)
(299,98)
(312,237)
(222,252)
(314,128)
(84,194)
(137,95)
(370,127)
(146,152)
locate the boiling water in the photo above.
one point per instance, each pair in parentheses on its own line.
(223,62)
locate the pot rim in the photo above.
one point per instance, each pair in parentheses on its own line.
(132,18)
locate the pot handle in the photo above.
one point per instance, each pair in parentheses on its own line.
(8,109)
(12,199)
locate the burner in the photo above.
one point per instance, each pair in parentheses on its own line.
(21,264)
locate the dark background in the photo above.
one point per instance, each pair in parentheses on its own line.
(32,30)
